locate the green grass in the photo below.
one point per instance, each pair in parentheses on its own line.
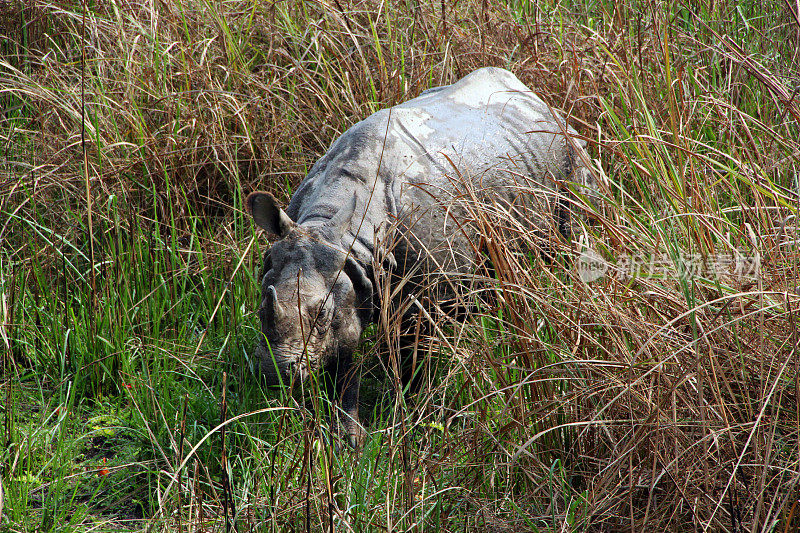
(633,403)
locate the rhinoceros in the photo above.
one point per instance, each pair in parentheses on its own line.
(403,175)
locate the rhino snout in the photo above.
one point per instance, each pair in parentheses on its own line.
(272,367)
(280,366)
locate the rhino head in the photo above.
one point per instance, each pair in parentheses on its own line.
(315,298)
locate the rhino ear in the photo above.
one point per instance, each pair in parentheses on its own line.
(363,289)
(341,220)
(268,214)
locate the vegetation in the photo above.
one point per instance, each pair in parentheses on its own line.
(662,396)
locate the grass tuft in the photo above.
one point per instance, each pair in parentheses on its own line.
(659,396)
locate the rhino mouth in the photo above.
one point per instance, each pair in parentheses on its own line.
(269,366)
(275,369)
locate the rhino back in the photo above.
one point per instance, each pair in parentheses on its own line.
(420,163)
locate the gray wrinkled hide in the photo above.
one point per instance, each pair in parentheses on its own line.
(488,131)
(408,170)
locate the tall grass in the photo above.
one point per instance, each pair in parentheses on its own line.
(660,396)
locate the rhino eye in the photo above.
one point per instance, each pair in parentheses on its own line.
(266,265)
(319,321)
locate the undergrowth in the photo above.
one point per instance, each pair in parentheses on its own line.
(644,380)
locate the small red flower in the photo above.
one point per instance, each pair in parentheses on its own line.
(103,471)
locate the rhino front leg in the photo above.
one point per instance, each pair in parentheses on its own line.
(347,387)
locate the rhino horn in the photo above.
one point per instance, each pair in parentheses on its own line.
(340,222)
(273,306)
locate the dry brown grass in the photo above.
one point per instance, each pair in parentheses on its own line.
(632,403)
